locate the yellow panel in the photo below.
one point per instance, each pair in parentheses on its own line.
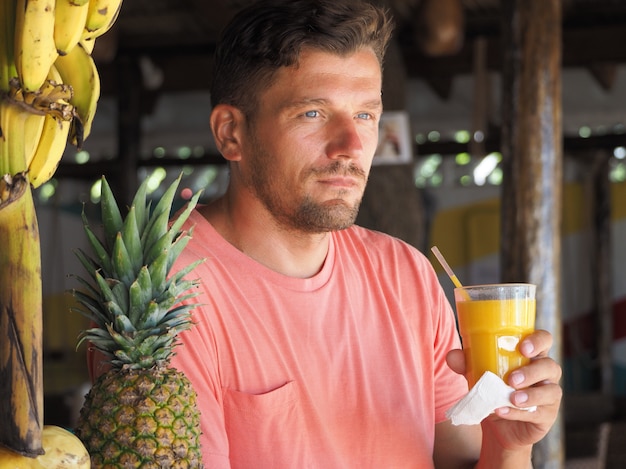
(60,325)
(449,232)
(483,229)
(468,232)
(618,200)
(575,209)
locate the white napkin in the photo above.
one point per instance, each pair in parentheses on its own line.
(488,394)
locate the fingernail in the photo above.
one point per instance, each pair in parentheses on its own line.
(520,398)
(517,377)
(526,348)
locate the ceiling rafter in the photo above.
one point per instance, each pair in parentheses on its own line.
(180,36)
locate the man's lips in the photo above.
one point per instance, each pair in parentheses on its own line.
(344,177)
(340,181)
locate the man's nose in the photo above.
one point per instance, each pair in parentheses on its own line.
(345,140)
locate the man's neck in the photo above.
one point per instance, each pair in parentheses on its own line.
(257,234)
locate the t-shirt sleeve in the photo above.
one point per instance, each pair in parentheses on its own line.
(196,358)
(196,355)
(449,386)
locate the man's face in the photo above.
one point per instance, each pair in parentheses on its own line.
(308,152)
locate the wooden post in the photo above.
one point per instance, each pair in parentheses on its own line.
(532,164)
(129,96)
(601,266)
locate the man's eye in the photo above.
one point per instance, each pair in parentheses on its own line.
(312,113)
(364,115)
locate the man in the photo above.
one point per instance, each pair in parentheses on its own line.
(320,344)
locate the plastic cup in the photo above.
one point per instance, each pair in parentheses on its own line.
(493,320)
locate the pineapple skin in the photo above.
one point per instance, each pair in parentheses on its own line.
(144,418)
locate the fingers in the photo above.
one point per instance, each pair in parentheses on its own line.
(536,344)
(546,398)
(548,394)
(536,384)
(541,370)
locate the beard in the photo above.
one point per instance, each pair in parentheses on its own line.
(305,215)
(313,217)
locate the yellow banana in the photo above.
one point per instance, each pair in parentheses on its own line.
(22,116)
(34,45)
(78,70)
(12,148)
(52,142)
(69,23)
(52,99)
(62,450)
(33,126)
(49,151)
(101,16)
(88,44)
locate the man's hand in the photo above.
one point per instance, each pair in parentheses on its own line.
(511,430)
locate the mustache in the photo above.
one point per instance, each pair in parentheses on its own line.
(337,168)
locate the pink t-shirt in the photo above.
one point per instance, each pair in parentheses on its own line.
(344,369)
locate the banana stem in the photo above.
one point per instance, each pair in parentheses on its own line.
(21,374)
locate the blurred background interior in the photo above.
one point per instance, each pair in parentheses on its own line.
(437,180)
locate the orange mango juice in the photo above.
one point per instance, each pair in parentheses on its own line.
(491,331)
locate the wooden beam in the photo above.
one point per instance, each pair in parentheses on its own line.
(180,72)
(574,146)
(581,47)
(532,171)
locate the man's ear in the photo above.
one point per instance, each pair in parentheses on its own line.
(227,123)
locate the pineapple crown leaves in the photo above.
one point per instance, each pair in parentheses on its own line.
(130,295)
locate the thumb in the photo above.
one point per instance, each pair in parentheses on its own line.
(456,361)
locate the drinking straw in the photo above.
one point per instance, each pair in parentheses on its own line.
(446,267)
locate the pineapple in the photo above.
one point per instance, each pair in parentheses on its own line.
(141,412)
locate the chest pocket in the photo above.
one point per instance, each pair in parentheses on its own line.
(266,430)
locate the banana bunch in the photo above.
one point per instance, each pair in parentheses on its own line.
(49,88)
(47,29)
(37,126)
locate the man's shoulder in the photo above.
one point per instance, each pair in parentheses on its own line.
(374,242)
(368,235)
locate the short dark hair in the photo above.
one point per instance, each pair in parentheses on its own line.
(270,34)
